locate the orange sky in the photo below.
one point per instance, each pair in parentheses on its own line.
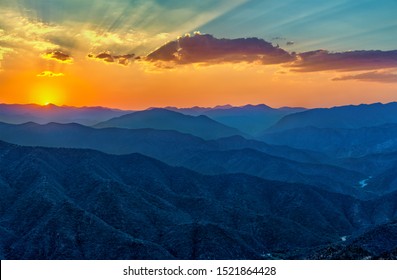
(49,55)
(142,85)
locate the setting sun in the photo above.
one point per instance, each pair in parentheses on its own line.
(45,94)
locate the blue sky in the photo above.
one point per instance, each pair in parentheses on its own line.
(337,25)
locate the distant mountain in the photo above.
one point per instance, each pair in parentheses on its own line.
(84,204)
(338,142)
(18,114)
(158,143)
(350,117)
(227,155)
(200,126)
(155,143)
(196,110)
(250,119)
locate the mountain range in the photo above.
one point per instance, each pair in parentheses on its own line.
(338,142)
(18,114)
(249,182)
(225,155)
(84,204)
(163,119)
(350,117)
(250,119)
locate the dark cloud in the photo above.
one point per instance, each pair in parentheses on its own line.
(290,43)
(58,56)
(322,60)
(205,48)
(50,74)
(375,76)
(124,59)
(279,38)
(107,57)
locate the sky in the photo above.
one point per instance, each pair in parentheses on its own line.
(135,54)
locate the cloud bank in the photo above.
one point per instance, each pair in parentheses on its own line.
(204,48)
(374,76)
(322,60)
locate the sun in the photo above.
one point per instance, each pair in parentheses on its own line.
(46,94)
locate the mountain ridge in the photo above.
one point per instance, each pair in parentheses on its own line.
(94,199)
(201,126)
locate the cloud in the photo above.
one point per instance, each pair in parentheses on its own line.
(50,74)
(23,36)
(3,53)
(107,57)
(58,56)
(322,60)
(290,43)
(204,48)
(19,32)
(374,76)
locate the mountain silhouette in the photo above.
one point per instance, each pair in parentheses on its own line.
(163,119)
(250,119)
(351,116)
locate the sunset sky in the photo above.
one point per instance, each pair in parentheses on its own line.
(134,54)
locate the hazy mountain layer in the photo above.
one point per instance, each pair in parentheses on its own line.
(227,155)
(250,119)
(351,116)
(18,114)
(200,126)
(338,142)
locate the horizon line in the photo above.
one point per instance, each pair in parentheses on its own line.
(224,106)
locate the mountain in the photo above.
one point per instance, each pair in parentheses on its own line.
(151,142)
(256,163)
(159,143)
(250,119)
(226,155)
(163,119)
(385,182)
(18,114)
(239,142)
(338,142)
(378,243)
(196,110)
(349,117)
(84,204)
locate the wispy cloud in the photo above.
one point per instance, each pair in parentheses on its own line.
(19,32)
(3,52)
(204,48)
(374,76)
